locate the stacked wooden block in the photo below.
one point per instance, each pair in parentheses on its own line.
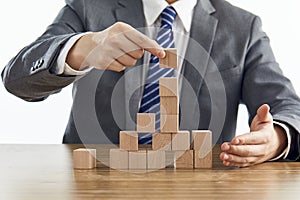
(128,156)
(170,147)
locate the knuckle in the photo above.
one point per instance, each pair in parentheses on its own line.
(137,54)
(243,141)
(109,67)
(230,158)
(140,53)
(233,149)
(114,67)
(119,25)
(247,151)
(114,41)
(249,161)
(252,162)
(244,165)
(141,41)
(109,62)
(120,68)
(129,62)
(266,139)
(132,62)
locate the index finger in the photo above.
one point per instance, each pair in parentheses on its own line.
(250,138)
(144,42)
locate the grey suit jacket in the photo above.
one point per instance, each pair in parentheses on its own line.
(228,61)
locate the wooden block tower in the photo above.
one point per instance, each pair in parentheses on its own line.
(169,116)
(170,147)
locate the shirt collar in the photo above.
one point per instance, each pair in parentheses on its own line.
(184,9)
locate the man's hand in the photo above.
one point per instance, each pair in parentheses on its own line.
(263,143)
(115,48)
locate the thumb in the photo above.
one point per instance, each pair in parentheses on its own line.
(263,117)
(263,114)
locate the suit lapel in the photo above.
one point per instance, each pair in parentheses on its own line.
(131,12)
(197,57)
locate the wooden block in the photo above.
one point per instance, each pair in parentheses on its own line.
(169,123)
(170,159)
(161,141)
(84,158)
(168,86)
(202,160)
(181,141)
(138,160)
(118,159)
(202,140)
(185,159)
(156,160)
(202,145)
(129,140)
(169,105)
(145,122)
(170,60)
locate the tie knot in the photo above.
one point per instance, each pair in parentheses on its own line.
(167,17)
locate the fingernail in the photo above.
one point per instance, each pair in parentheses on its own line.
(226,147)
(162,54)
(226,157)
(236,141)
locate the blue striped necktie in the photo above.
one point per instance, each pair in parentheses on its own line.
(151,100)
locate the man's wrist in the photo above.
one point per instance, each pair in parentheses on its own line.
(76,56)
(60,66)
(284,138)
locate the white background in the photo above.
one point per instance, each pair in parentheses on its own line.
(44,122)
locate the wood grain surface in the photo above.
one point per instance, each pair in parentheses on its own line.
(46,172)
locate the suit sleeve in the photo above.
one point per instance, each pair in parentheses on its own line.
(29,74)
(264,82)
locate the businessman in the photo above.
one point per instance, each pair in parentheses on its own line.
(109,50)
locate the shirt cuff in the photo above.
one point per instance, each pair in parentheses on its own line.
(62,68)
(286,151)
(70,71)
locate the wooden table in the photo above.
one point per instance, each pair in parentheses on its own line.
(46,172)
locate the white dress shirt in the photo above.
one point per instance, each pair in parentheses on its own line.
(181,31)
